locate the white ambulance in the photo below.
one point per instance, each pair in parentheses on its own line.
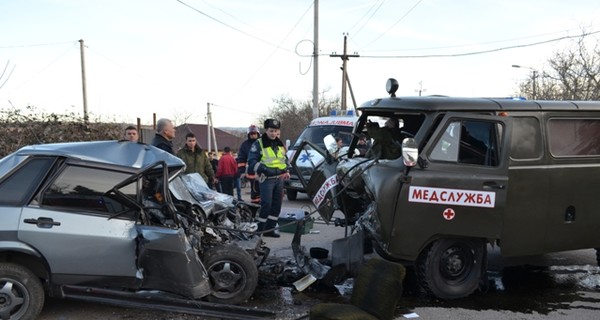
(339,124)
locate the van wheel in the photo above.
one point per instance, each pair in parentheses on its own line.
(21,292)
(292,195)
(451,268)
(233,274)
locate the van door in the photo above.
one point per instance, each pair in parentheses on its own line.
(573,217)
(462,190)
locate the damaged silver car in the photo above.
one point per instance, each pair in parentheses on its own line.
(115,222)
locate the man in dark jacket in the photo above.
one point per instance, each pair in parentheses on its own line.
(165,132)
(214,162)
(242,160)
(196,160)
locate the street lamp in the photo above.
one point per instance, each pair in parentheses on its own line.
(533,78)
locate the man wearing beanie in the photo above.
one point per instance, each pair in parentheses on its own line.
(242,161)
(267,160)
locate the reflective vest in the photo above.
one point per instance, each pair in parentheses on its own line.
(270,159)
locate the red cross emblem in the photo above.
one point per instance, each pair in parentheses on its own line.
(448,214)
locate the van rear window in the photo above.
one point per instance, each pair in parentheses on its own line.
(574,137)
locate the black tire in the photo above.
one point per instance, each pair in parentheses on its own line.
(292,195)
(21,292)
(598,256)
(451,268)
(232,272)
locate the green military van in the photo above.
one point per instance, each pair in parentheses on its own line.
(452,175)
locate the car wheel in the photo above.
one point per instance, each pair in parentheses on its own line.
(451,268)
(21,292)
(233,274)
(292,195)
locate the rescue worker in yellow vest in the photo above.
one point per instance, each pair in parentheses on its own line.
(267,160)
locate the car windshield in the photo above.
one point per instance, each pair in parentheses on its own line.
(193,189)
(316,135)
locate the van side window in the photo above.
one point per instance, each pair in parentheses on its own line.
(574,137)
(526,140)
(469,142)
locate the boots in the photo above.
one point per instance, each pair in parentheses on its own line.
(270,225)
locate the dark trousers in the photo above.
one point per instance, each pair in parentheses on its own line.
(270,203)
(254,190)
(227,185)
(238,187)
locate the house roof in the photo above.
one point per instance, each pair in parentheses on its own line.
(224,139)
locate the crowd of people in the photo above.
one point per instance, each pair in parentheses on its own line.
(261,160)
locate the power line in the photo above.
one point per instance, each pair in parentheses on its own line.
(395,23)
(483,51)
(275,50)
(48,65)
(227,13)
(122,66)
(4,72)
(234,28)
(368,19)
(35,45)
(479,43)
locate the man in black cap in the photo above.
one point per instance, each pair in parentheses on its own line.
(267,160)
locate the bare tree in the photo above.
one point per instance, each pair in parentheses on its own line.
(295,115)
(573,74)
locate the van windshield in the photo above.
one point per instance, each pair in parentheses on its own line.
(316,135)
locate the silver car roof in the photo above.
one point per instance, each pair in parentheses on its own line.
(123,153)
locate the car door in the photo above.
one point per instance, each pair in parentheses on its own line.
(461,191)
(86,235)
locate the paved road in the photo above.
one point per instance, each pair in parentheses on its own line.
(555,286)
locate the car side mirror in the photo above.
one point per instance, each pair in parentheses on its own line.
(410,152)
(287,144)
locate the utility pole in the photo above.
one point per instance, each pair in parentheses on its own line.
(83,84)
(315,109)
(210,130)
(351,94)
(420,90)
(534,75)
(345,58)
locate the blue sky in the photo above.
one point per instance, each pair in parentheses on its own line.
(163,57)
